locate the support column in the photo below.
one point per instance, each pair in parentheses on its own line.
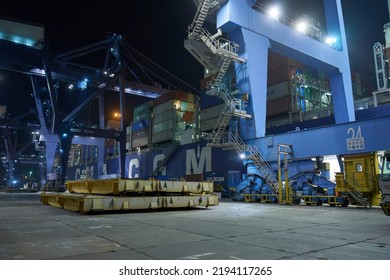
(340,82)
(51,148)
(66,144)
(101,142)
(122,139)
(252,79)
(100,145)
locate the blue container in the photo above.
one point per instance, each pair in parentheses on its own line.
(141,125)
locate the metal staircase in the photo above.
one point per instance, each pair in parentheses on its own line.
(357,195)
(204,6)
(252,153)
(200,17)
(216,54)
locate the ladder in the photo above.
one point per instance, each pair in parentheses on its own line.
(360,198)
(251,152)
(201,15)
(357,195)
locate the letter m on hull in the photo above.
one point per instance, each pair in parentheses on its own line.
(198,161)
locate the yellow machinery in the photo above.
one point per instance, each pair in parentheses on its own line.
(360,179)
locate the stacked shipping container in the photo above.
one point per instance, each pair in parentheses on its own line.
(295,92)
(173,113)
(140,130)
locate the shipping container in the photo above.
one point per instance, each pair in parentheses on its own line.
(128,137)
(140,125)
(166,106)
(212,112)
(276,61)
(141,116)
(208,125)
(140,142)
(280,75)
(174,95)
(166,135)
(140,133)
(279,106)
(113,124)
(145,107)
(279,90)
(162,126)
(164,116)
(174,104)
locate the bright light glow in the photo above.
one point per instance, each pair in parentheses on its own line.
(330,40)
(117,115)
(38,71)
(29,43)
(242,156)
(274,12)
(16,40)
(140,92)
(82,84)
(301,27)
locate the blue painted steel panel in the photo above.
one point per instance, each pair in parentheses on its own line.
(374,112)
(234,178)
(209,101)
(355,137)
(325,121)
(141,125)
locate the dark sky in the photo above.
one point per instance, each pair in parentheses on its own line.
(157,28)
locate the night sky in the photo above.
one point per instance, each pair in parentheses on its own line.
(157,29)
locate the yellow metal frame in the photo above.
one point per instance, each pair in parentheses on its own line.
(92,203)
(285,150)
(132,186)
(266,198)
(331,200)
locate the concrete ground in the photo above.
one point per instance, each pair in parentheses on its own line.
(30,230)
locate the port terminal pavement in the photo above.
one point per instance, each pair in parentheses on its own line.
(30,230)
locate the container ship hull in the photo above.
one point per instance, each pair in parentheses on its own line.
(192,162)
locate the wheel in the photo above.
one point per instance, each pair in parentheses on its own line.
(345,202)
(297,200)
